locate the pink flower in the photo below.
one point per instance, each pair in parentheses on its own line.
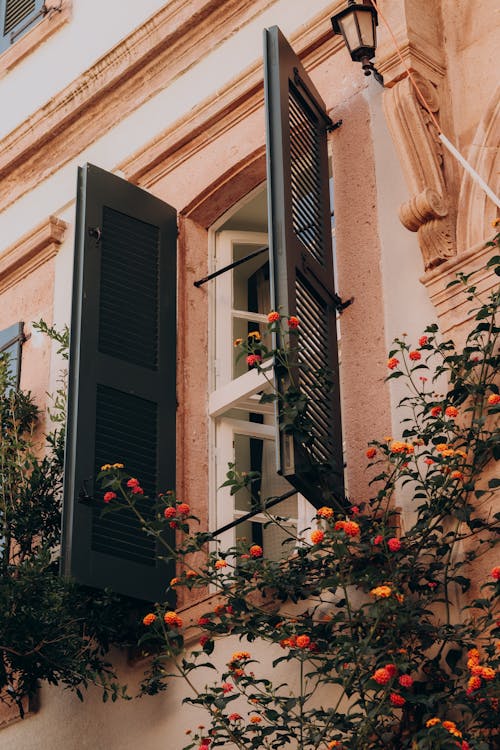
(108,496)
(132,482)
(227,687)
(394,544)
(253,359)
(406,681)
(378,539)
(423,340)
(137,491)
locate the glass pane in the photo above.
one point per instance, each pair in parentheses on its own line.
(255,454)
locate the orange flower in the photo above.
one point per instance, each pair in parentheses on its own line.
(432,722)
(303,641)
(273,316)
(118,466)
(256,550)
(317,536)
(293,322)
(219,564)
(392,363)
(451,411)
(325,512)
(172,619)
(429,461)
(170,512)
(149,619)
(456,475)
(451,727)
(382,676)
(254,335)
(239,656)
(397,446)
(382,592)
(191,574)
(334,744)
(255,719)
(288,642)
(494,399)
(106,467)
(495,573)
(237,342)
(487,673)
(474,683)
(351,528)
(436,411)
(440,447)
(184,509)
(415,356)
(371,452)
(175,581)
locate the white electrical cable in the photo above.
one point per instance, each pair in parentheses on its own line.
(465,164)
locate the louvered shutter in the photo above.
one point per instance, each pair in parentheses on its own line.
(16,17)
(11,340)
(122,403)
(302,281)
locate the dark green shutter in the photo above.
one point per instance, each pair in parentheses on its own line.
(122,403)
(16,17)
(300,242)
(11,341)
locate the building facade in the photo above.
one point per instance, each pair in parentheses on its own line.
(169,97)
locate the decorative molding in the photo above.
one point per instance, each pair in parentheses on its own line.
(36,36)
(452,306)
(421,156)
(159,51)
(31,251)
(475,210)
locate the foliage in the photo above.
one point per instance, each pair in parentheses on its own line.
(389,643)
(50,628)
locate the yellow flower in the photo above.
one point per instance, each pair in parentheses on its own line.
(118,466)
(220,564)
(237,342)
(382,592)
(432,722)
(254,335)
(106,467)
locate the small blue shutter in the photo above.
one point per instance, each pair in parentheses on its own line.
(121,394)
(17,17)
(301,259)
(11,340)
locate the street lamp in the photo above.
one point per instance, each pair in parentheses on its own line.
(358,25)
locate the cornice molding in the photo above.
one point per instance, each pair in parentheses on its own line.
(158,52)
(31,251)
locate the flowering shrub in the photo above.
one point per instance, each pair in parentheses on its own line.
(384,620)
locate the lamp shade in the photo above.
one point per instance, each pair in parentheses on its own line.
(357,24)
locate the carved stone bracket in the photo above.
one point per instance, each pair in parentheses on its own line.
(420,152)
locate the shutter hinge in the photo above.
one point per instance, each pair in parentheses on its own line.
(95,232)
(333,126)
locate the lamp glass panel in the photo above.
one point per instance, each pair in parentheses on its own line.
(350,31)
(366,28)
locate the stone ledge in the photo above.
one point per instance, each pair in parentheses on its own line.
(31,251)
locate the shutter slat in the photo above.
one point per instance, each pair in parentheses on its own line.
(15,12)
(301,257)
(121,405)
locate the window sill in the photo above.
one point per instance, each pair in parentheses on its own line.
(26,44)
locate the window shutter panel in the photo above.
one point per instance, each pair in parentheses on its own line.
(122,403)
(11,341)
(300,244)
(16,17)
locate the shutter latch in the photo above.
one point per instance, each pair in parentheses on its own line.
(95,232)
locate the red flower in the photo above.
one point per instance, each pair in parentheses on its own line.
(378,539)
(355,510)
(184,509)
(423,340)
(204,640)
(108,496)
(132,482)
(415,356)
(234,717)
(227,687)
(392,669)
(495,573)
(394,544)
(169,512)
(451,411)
(255,550)
(137,491)
(253,359)
(371,452)
(429,461)
(293,322)
(436,411)
(397,700)
(203,621)
(406,681)
(273,316)
(382,676)
(392,363)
